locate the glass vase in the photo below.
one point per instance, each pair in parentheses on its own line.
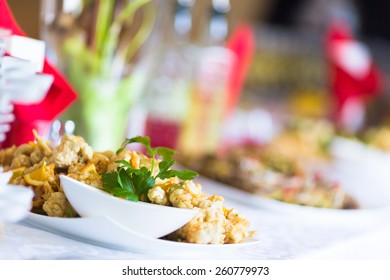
(98,45)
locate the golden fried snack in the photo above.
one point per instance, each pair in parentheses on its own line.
(38,165)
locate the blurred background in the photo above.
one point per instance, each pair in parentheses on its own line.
(199,74)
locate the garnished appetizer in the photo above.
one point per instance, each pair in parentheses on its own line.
(130,175)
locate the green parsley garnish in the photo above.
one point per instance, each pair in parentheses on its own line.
(70,212)
(133,184)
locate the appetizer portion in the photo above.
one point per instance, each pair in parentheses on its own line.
(304,140)
(273,175)
(126,174)
(378,137)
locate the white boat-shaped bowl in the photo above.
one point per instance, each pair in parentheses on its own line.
(144,218)
(15,202)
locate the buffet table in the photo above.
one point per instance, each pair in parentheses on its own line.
(281,235)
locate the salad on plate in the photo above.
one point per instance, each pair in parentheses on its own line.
(126,174)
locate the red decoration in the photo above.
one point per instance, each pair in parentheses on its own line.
(38,116)
(242,43)
(353,81)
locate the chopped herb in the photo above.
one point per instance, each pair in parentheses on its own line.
(70,212)
(132,183)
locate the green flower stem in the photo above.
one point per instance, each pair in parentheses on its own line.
(104,18)
(105,94)
(142,34)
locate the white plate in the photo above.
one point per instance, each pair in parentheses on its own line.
(107,233)
(362,170)
(15,202)
(373,245)
(332,215)
(147,219)
(5,177)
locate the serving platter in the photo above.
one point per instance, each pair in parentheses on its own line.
(107,233)
(362,172)
(15,202)
(147,219)
(372,208)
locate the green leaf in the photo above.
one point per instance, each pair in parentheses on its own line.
(124,162)
(125,181)
(166,153)
(110,181)
(123,193)
(143,181)
(132,197)
(119,184)
(164,166)
(144,140)
(183,174)
(147,184)
(186,174)
(140,179)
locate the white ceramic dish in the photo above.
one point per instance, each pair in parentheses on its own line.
(5,177)
(334,216)
(357,152)
(373,245)
(144,218)
(107,233)
(15,202)
(362,158)
(23,85)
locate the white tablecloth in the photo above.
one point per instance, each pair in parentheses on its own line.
(281,235)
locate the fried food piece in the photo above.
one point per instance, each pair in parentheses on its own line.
(6,157)
(101,162)
(71,150)
(236,227)
(57,205)
(186,194)
(213,224)
(87,174)
(208,226)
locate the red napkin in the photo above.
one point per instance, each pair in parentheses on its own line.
(353,76)
(242,43)
(37,116)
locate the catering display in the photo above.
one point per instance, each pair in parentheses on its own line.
(304,140)
(378,138)
(15,202)
(284,169)
(273,176)
(128,175)
(38,90)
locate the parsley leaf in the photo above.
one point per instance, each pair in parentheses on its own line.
(124,193)
(144,182)
(125,181)
(144,140)
(183,174)
(119,184)
(166,153)
(164,166)
(132,183)
(110,181)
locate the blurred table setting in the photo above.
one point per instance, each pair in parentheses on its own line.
(275,121)
(37,109)
(282,237)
